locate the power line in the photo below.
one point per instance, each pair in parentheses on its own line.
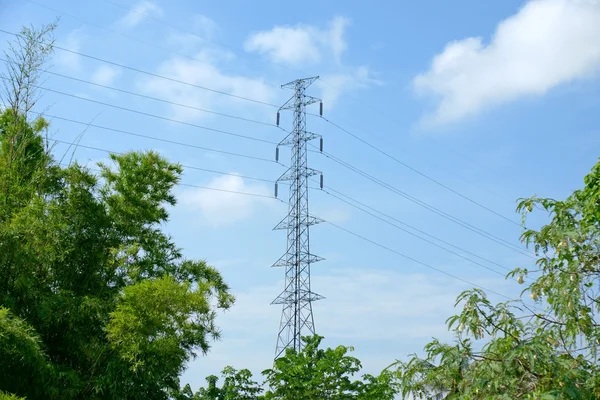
(184,166)
(366,104)
(162,100)
(154,116)
(47,71)
(414,260)
(437,182)
(423,159)
(363,207)
(155,75)
(156,138)
(429,207)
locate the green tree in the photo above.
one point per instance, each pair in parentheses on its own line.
(315,373)
(527,352)
(97,301)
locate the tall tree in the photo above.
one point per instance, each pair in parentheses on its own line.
(528,352)
(97,301)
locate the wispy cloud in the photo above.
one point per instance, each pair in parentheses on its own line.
(545,44)
(301,44)
(140,12)
(205,71)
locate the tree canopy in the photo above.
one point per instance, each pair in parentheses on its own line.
(546,351)
(96,301)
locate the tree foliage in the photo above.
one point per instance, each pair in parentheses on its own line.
(96,301)
(312,373)
(511,350)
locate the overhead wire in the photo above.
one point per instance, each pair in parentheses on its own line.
(220,131)
(173,103)
(184,166)
(414,259)
(427,206)
(440,144)
(406,165)
(90,125)
(154,74)
(420,158)
(47,71)
(365,208)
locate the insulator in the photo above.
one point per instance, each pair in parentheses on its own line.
(321,109)
(277,118)
(321,145)
(277,153)
(321,181)
(275,189)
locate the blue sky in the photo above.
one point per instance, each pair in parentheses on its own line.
(495,100)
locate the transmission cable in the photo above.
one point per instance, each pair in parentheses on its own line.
(437,182)
(47,71)
(154,116)
(388,116)
(429,207)
(413,259)
(157,138)
(155,75)
(364,208)
(184,166)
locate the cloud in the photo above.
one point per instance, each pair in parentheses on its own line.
(220,208)
(545,44)
(300,44)
(138,13)
(65,59)
(203,71)
(105,75)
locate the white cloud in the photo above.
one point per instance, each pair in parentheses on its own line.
(138,13)
(300,44)
(105,75)
(66,59)
(547,43)
(223,207)
(203,71)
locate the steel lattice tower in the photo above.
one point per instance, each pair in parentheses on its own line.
(297,317)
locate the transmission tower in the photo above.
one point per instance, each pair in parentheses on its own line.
(297,317)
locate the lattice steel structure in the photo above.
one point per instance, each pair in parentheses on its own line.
(297,316)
